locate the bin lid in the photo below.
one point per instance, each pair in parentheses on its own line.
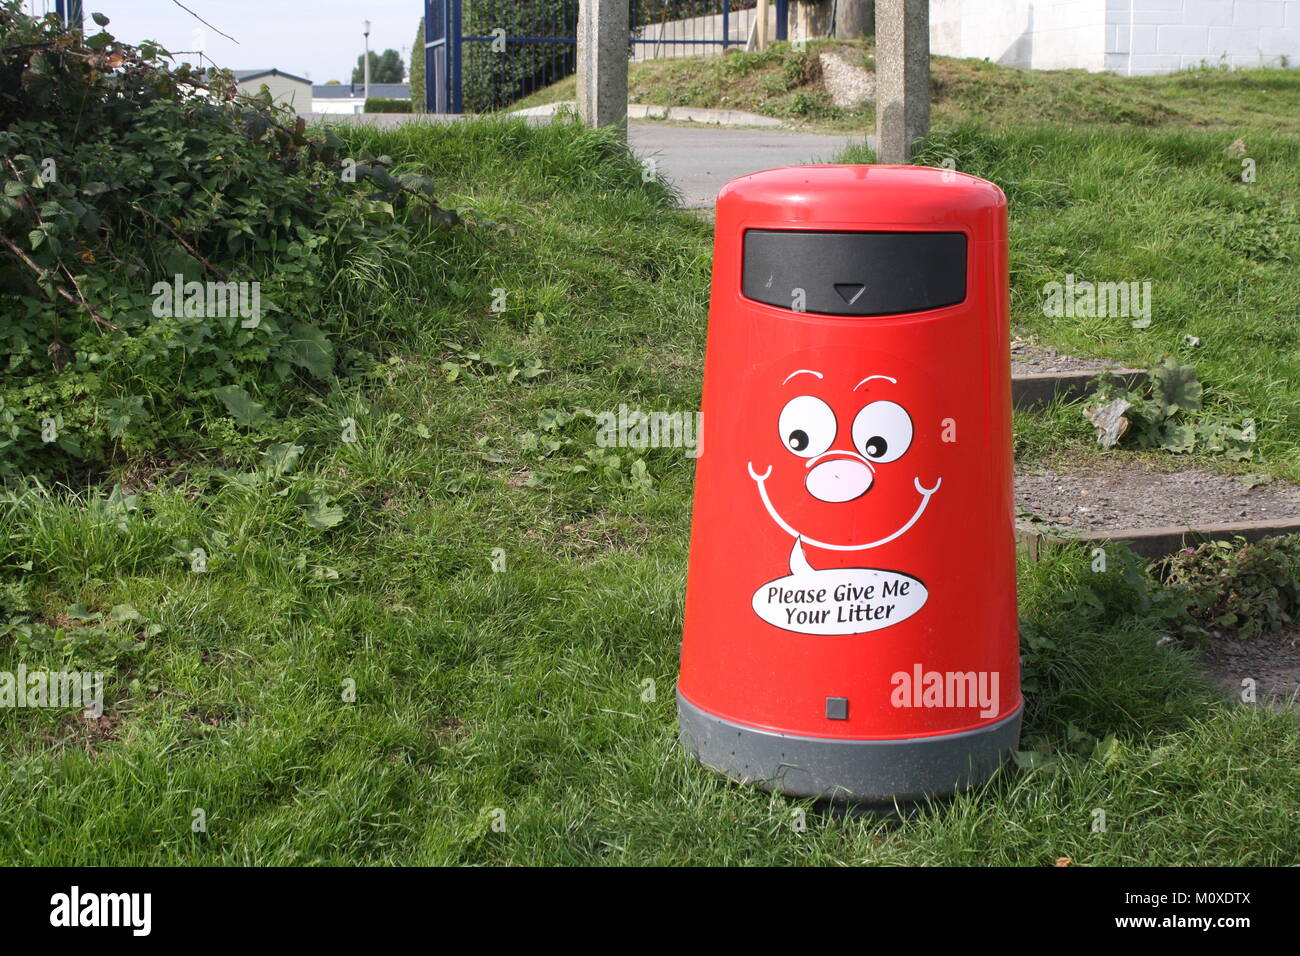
(865,197)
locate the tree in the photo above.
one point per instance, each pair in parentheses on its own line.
(417,70)
(392,68)
(385,67)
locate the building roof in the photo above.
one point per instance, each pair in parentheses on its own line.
(244,76)
(345,91)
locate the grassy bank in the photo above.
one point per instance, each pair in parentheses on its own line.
(348,680)
(1169,209)
(788,84)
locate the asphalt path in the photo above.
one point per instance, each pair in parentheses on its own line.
(698,160)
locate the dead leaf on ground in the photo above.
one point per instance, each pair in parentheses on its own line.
(1109,421)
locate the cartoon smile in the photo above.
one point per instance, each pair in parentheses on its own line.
(881,434)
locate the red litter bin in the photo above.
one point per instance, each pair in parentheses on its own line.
(851,628)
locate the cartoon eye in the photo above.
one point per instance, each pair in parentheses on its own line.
(807,426)
(882,431)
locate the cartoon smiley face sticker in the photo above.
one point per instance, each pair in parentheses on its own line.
(843,464)
(834,476)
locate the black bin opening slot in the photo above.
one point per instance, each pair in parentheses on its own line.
(854,273)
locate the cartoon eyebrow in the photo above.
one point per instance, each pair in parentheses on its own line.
(870,377)
(802,371)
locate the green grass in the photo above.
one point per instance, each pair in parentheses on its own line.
(1168,208)
(521,691)
(787,84)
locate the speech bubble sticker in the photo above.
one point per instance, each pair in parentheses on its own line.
(837,601)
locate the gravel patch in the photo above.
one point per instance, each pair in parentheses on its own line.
(1110,495)
(1029,359)
(1272,662)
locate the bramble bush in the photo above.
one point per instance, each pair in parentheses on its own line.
(121,171)
(1238,589)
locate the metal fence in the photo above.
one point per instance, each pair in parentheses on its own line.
(676,28)
(484,55)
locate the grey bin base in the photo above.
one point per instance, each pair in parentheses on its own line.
(853,771)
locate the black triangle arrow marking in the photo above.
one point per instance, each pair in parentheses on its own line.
(849,291)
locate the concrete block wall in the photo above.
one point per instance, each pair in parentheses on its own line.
(1031,34)
(1131,37)
(1144,37)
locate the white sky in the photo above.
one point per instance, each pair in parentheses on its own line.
(317,39)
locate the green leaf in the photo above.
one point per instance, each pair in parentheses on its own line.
(1176,386)
(309,348)
(100,19)
(551,419)
(1212,435)
(1177,438)
(322,514)
(280,459)
(641,479)
(1032,759)
(1240,453)
(123,612)
(1109,750)
(240,404)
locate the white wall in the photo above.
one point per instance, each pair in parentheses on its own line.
(1125,36)
(1037,34)
(283,90)
(1159,36)
(335,105)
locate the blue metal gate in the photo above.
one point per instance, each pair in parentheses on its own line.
(437,55)
(484,55)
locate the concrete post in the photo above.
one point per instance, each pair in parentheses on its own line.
(761,15)
(602,62)
(902,77)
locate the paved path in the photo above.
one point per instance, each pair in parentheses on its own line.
(699,160)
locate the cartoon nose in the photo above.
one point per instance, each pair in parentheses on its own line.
(838,479)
